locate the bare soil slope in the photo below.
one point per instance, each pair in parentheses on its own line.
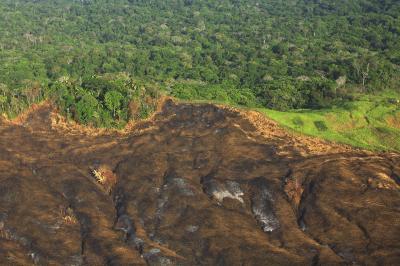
(194,185)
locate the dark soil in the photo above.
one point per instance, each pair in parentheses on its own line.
(196,185)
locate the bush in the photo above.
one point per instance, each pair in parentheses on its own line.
(297,121)
(320,125)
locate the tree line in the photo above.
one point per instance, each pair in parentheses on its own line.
(276,54)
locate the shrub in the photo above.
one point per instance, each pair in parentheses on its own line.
(297,121)
(320,125)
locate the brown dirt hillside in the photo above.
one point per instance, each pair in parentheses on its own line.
(197,184)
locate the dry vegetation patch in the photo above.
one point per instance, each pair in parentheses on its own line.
(68,215)
(394,120)
(105,177)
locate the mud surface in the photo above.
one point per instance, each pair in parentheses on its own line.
(196,185)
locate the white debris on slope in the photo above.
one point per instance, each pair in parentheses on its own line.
(262,207)
(220,195)
(268,222)
(219,191)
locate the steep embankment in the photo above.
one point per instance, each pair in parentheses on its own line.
(194,185)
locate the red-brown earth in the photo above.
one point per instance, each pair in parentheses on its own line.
(196,184)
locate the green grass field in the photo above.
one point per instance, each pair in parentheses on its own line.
(371,122)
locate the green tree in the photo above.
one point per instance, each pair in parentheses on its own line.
(87,109)
(3,101)
(113,100)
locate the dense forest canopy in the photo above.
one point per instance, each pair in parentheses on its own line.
(280,54)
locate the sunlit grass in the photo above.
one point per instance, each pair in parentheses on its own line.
(371,122)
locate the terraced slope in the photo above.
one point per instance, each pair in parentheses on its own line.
(195,185)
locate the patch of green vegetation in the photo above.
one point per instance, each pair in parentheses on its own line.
(371,122)
(104,101)
(320,125)
(298,122)
(108,101)
(226,94)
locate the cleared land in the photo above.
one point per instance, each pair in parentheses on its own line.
(371,122)
(196,184)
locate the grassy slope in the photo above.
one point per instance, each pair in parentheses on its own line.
(370,122)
